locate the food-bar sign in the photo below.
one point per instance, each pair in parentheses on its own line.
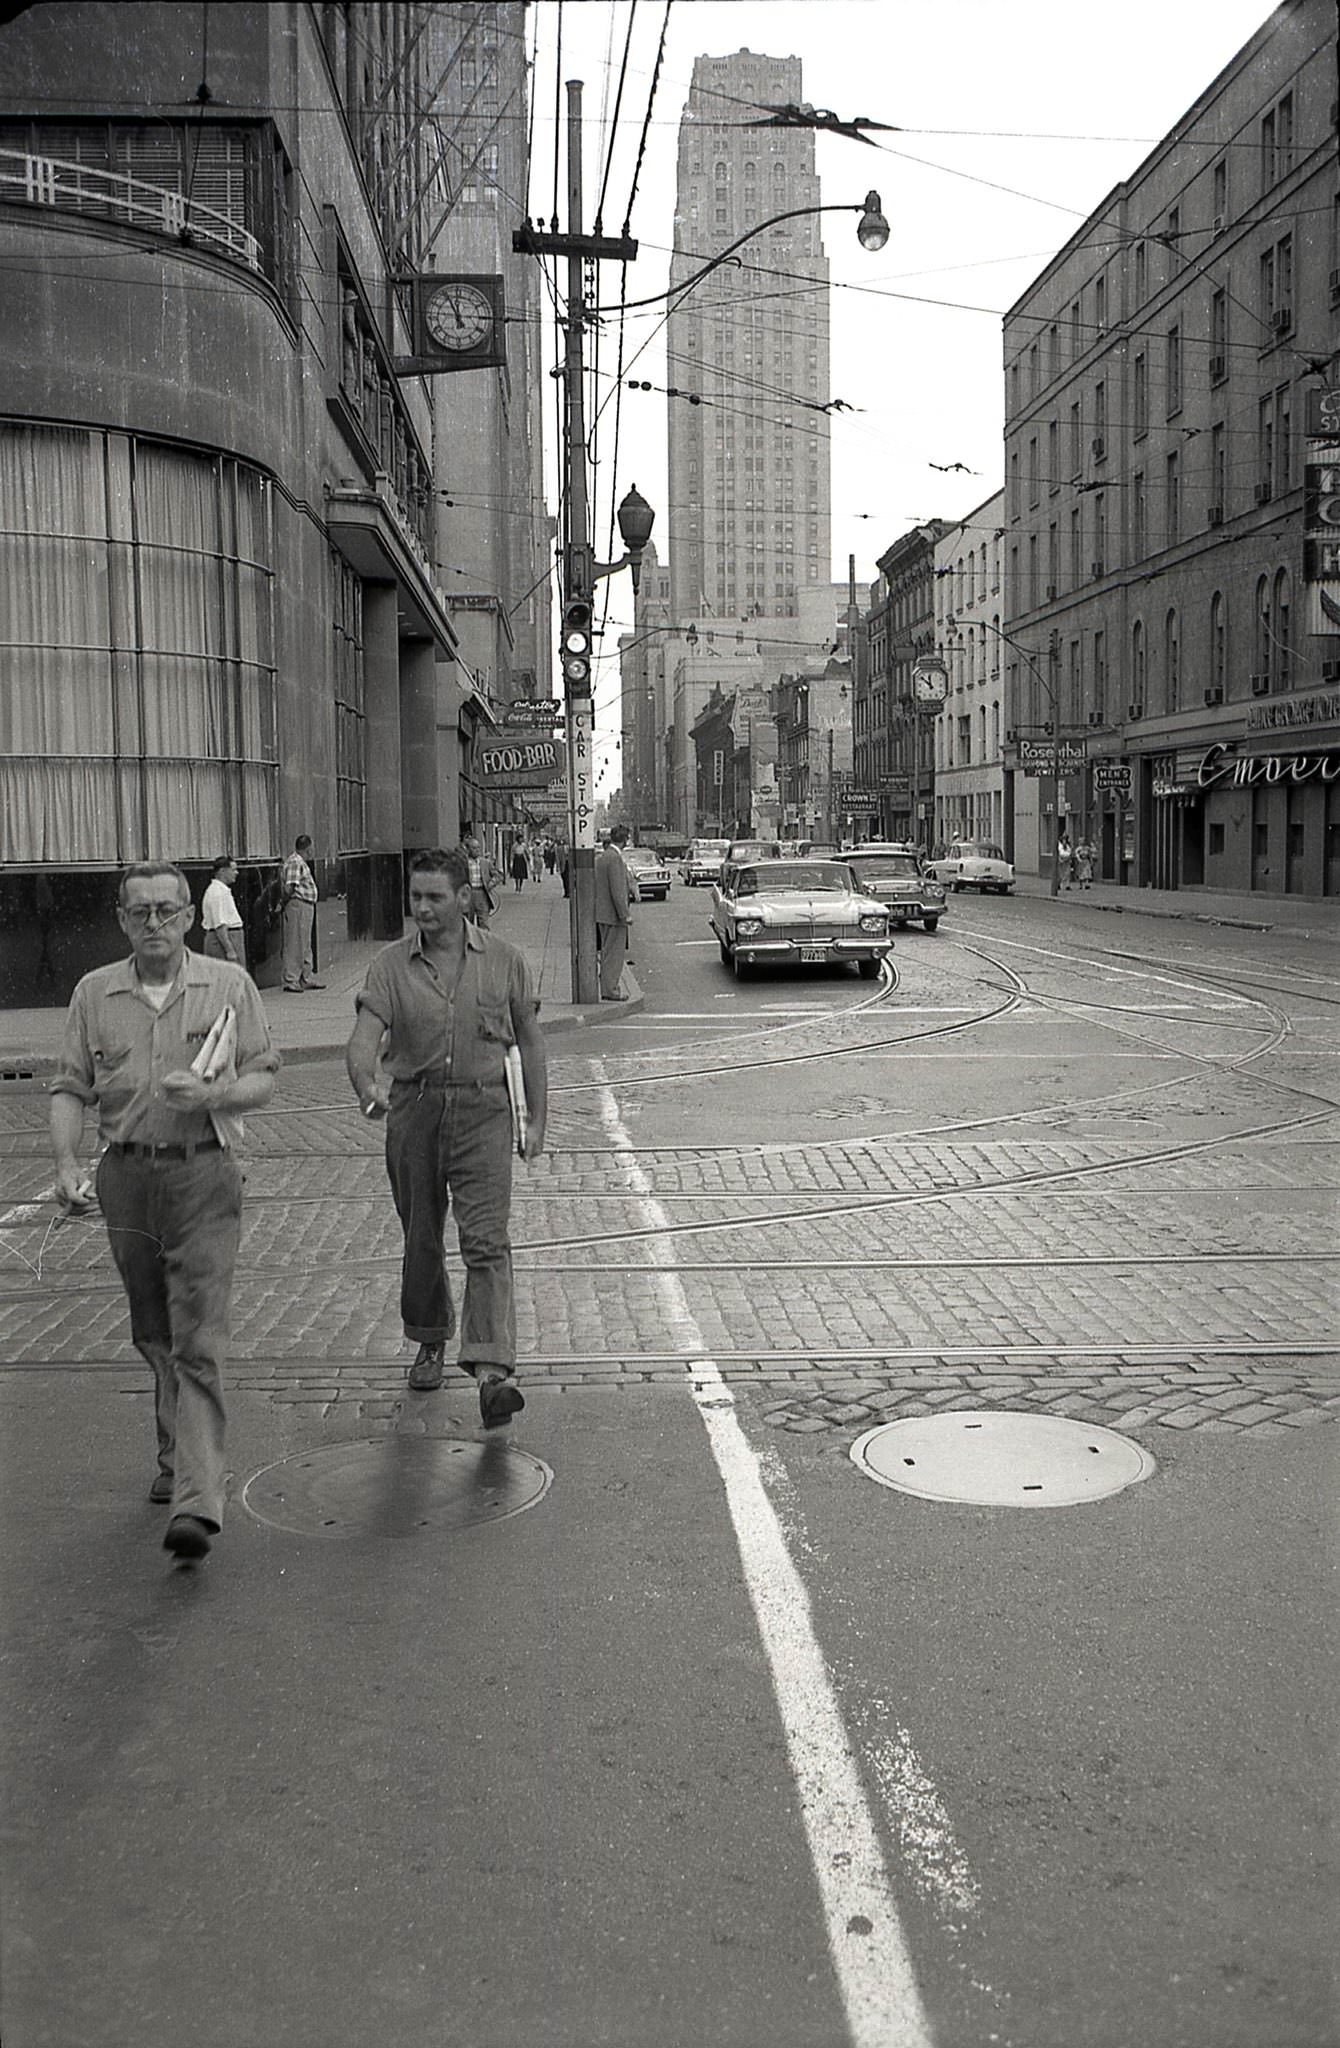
(519,764)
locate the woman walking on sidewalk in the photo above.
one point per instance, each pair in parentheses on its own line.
(520,867)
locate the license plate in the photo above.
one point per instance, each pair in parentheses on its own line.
(813,954)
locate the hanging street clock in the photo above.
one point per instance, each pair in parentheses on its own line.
(458,324)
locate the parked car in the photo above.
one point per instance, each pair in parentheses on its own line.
(702,862)
(647,872)
(799,913)
(973,864)
(896,878)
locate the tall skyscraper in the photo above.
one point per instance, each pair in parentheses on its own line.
(749,465)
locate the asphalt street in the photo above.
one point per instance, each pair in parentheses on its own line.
(660,1721)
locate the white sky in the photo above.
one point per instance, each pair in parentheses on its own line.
(1051,97)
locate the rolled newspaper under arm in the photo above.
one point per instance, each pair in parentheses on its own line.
(219,1051)
(516,1092)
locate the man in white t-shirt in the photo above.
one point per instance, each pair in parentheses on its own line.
(220,915)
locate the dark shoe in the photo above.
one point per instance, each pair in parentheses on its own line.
(425,1375)
(614,999)
(500,1398)
(187,1538)
(314,984)
(160,1493)
(294,988)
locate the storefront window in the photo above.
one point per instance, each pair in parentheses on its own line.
(137,678)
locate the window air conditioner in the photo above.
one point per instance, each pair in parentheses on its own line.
(1330,671)
(1281,320)
(1215,694)
(1099,448)
(1095,570)
(1215,516)
(1134,711)
(1261,686)
(1218,368)
(1262,494)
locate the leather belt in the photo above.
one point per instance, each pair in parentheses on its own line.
(128,1150)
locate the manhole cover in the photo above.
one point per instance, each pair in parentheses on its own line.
(395,1486)
(1001,1459)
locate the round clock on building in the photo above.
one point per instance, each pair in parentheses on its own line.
(459,316)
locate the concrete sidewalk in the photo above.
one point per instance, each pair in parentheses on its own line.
(1304,918)
(317,1024)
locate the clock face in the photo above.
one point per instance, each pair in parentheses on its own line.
(459,316)
(930,686)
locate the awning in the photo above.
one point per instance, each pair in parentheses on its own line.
(371,533)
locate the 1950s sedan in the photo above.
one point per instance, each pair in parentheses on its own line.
(799,914)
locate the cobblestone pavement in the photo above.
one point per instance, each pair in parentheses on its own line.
(1152,1252)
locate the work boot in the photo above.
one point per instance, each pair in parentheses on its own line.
(425,1375)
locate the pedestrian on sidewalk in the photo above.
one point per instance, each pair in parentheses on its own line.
(451,1000)
(298,898)
(1066,857)
(168,1182)
(520,867)
(1084,864)
(550,856)
(483,875)
(612,918)
(220,915)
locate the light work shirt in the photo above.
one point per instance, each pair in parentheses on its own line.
(219,912)
(463,1032)
(118,1047)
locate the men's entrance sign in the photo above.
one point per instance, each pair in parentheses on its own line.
(1112,775)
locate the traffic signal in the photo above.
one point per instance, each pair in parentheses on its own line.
(576,647)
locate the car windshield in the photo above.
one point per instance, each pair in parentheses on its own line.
(641,857)
(814,877)
(984,850)
(709,849)
(886,867)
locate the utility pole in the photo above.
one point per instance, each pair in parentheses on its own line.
(578,586)
(580,568)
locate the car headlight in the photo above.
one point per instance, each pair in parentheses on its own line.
(935,890)
(748,927)
(872,924)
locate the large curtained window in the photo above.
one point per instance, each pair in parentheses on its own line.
(137,679)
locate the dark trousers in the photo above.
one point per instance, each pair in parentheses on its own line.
(452,1147)
(173,1226)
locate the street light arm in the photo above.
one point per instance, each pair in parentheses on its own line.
(863,207)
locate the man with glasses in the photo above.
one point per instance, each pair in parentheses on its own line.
(168,1182)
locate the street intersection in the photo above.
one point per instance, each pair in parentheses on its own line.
(715,1740)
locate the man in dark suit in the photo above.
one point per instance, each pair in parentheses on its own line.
(612,919)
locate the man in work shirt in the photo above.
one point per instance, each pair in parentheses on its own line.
(612,919)
(168,1184)
(451,1000)
(298,900)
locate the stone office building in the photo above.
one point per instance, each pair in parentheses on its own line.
(222,618)
(1168,573)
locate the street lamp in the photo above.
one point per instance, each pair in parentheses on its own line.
(872,232)
(1050,690)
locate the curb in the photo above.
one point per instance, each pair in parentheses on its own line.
(22,1072)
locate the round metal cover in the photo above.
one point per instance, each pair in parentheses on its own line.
(1001,1458)
(396,1486)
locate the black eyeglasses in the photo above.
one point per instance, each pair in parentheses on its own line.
(143,914)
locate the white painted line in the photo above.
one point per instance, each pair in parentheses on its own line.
(865,1936)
